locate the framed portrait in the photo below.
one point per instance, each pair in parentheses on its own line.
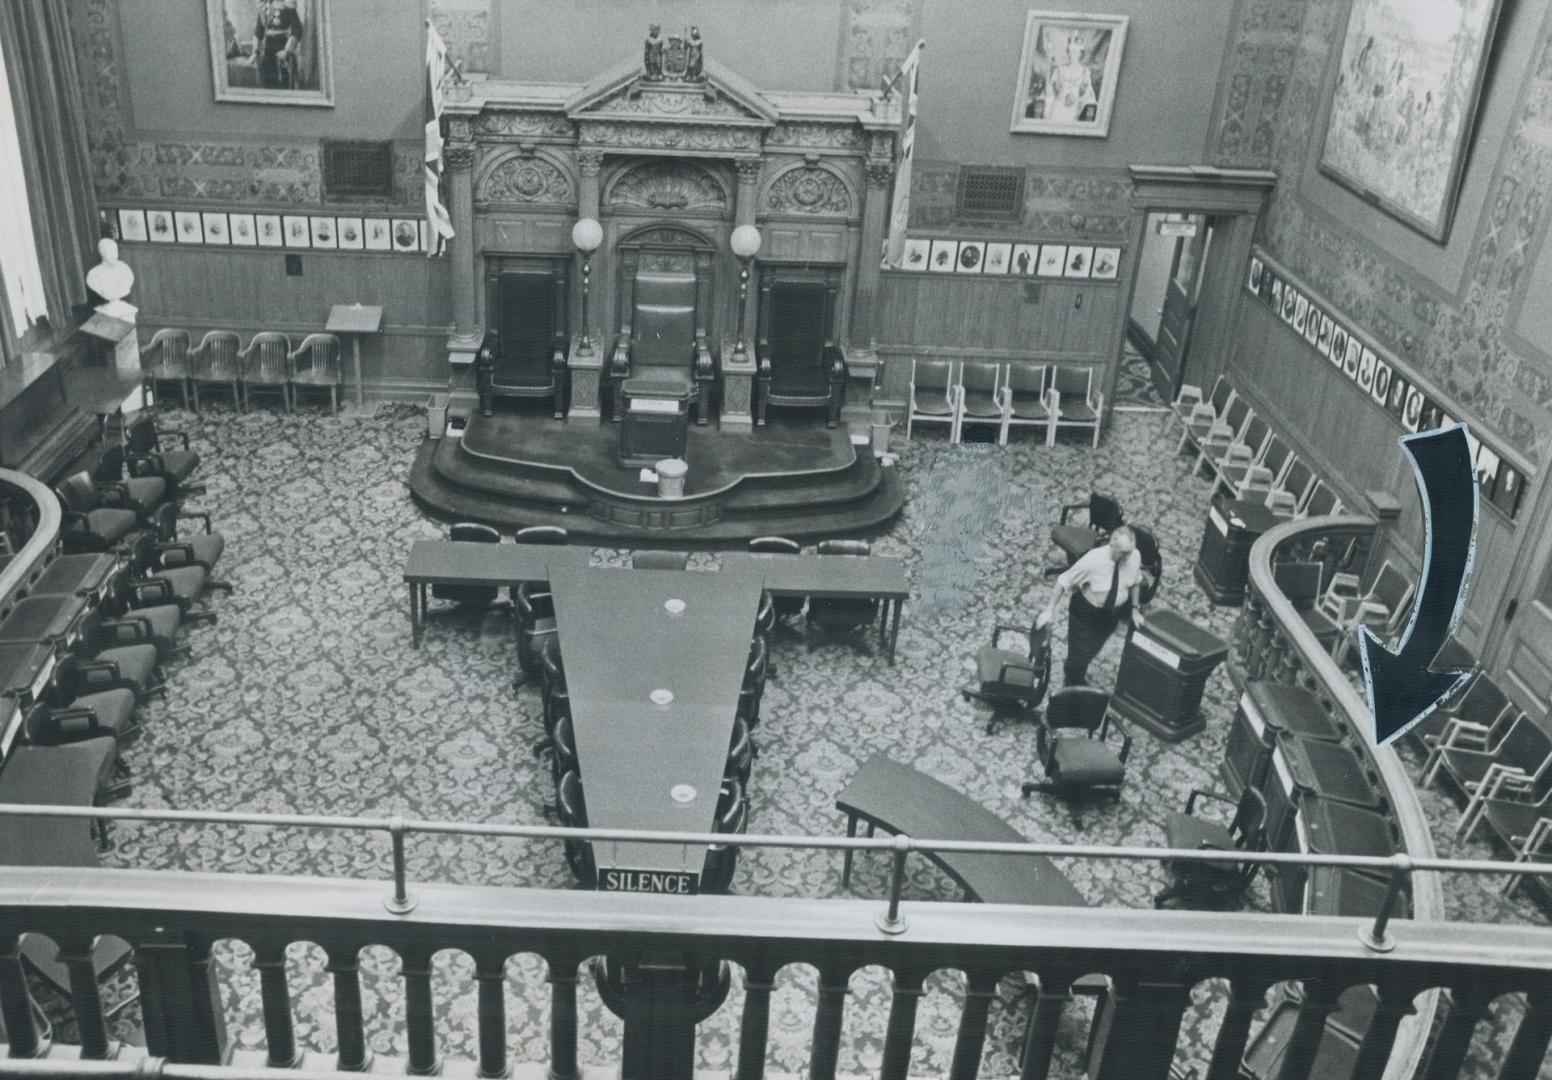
(268,229)
(160,227)
(1291,300)
(1080,261)
(1412,411)
(297,233)
(1432,415)
(1257,270)
(1380,390)
(324,232)
(1067,73)
(1405,101)
(216,231)
(1312,325)
(1053,260)
(1277,296)
(406,235)
(1351,358)
(244,231)
(1395,402)
(1107,263)
(1025,259)
(917,251)
(1301,311)
(271,52)
(132,225)
(1338,345)
(972,253)
(351,233)
(1488,464)
(945,254)
(1323,337)
(997,256)
(190,231)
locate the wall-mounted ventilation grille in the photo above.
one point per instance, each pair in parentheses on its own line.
(357,170)
(990,194)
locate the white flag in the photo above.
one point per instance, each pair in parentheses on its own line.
(900,205)
(440,225)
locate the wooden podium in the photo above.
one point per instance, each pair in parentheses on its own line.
(657,416)
(353,320)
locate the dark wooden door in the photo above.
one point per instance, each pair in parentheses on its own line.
(1175,331)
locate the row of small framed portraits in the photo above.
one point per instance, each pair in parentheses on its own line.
(1500,482)
(232,229)
(1020,260)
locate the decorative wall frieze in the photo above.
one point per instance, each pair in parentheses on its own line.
(806,135)
(696,101)
(1087,207)
(809,189)
(678,186)
(641,136)
(515,177)
(533,125)
(879,173)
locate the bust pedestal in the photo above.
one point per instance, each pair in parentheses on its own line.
(114,324)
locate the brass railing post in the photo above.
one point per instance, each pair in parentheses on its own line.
(1375,937)
(892,922)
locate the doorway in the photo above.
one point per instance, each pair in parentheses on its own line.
(1176,250)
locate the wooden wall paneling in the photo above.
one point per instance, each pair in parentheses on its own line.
(1076,339)
(980,303)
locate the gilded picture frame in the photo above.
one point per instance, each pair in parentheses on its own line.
(271,52)
(1067,73)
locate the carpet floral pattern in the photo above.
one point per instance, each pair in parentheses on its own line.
(307,697)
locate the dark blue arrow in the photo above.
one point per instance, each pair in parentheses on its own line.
(1402,686)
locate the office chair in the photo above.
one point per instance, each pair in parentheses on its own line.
(1083,760)
(1013,684)
(1215,886)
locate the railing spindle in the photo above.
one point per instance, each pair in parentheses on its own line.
(906,992)
(86,999)
(1051,998)
(401,902)
(1529,1049)
(419,1016)
(754,1026)
(269,958)
(1245,998)
(490,974)
(980,990)
(563,1019)
(1394,1004)
(831,1010)
(1140,1027)
(892,922)
(1308,1029)
(1467,1007)
(348,1017)
(16,1008)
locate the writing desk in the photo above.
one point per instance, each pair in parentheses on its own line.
(646,763)
(460,562)
(874,577)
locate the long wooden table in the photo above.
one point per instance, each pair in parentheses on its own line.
(459,562)
(874,577)
(651,761)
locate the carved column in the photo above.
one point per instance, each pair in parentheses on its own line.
(861,358)
(458,155)
(586,369)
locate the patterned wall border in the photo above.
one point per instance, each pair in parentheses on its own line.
(1077,207)
(1464,345)
(1387,382)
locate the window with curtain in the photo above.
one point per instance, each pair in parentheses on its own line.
(21,277)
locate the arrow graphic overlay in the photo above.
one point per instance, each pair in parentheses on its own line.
(1402,686)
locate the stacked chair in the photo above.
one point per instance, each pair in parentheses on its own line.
(220,360)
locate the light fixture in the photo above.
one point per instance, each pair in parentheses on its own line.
(586,235)
(745,243)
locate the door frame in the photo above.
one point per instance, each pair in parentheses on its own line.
(1235,196)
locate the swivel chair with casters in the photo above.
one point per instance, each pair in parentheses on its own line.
(1213,885)
(1012,683)
(535,630)
(1074,539)
(1074,745)
(830,617)
(467,598)
(572,812)
(145,455)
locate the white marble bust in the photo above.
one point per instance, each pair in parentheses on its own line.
(111,279)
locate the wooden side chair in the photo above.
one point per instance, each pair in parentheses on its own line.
(215,362)
(934,396)
(266,364)
(1026,401)
(316,365)
(981,396)
(165,358)
(1075,401)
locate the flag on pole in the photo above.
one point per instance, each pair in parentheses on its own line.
(439,224)
(900,205)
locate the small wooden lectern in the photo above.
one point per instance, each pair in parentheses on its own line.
(354,320)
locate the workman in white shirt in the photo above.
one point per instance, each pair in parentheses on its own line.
(1104,584)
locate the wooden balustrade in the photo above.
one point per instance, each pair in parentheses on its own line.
(1152,959)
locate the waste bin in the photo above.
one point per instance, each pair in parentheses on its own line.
(1266,708)
(1223,563)
(670,478)
(1164,668)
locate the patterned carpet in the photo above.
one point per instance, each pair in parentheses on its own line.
(1135,388)
(307,697)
